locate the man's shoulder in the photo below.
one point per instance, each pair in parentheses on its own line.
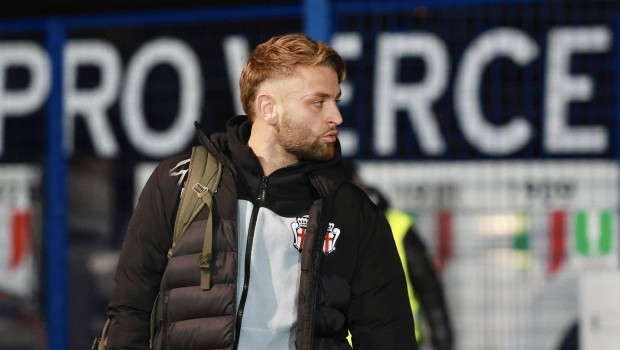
(348,188)
(172,171)
(355,199)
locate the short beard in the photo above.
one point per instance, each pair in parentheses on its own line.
(290,138)
(314,151)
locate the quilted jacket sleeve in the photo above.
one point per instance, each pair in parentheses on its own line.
(379,314)
(143,260)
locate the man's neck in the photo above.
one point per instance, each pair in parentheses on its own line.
(270,155)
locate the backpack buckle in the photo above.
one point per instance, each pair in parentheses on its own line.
(204,261)
(201,190)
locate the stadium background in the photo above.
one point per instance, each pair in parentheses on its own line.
(493,122)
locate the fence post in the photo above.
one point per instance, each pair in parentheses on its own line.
(55,192)
(317,19)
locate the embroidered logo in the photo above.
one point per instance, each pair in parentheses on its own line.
(299,235)
(299,232)
(180,170)
(330,238)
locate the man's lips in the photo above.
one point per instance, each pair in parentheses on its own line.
(331,136)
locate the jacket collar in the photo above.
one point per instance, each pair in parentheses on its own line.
(288,189)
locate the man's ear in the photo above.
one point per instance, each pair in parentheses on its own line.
(266,109)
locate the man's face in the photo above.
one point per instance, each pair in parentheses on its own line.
(308,114)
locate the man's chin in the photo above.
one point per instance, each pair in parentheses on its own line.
(327,153)
(319,154)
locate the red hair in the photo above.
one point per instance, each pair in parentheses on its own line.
(278,57)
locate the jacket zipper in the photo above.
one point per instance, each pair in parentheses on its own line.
(308,328)
(260,199)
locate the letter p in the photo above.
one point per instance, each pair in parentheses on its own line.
(22,101)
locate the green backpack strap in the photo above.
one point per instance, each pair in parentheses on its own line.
(101,342)
(204,176)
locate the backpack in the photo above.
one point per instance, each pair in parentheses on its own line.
(203,179)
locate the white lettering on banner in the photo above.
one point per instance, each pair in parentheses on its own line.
(488,138)
(236,52)
(91,104)
(20,102)
(184,60)
(349,46)
(417,99)
(562,88)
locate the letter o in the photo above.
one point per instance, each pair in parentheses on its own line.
(185,62)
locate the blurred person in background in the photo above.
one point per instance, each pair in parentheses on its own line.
(426,292)
(570,338)
(300,256)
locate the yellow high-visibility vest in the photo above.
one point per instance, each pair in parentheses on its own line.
(401,222)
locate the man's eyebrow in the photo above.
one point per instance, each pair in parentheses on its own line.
(326,95)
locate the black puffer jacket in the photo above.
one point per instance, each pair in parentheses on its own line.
(359,286)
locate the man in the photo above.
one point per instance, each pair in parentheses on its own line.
(300,256)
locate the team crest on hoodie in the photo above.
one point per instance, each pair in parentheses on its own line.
(299,235)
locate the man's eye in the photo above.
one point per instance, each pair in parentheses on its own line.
(318,103)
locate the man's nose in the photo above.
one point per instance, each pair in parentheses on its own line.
(334,116)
